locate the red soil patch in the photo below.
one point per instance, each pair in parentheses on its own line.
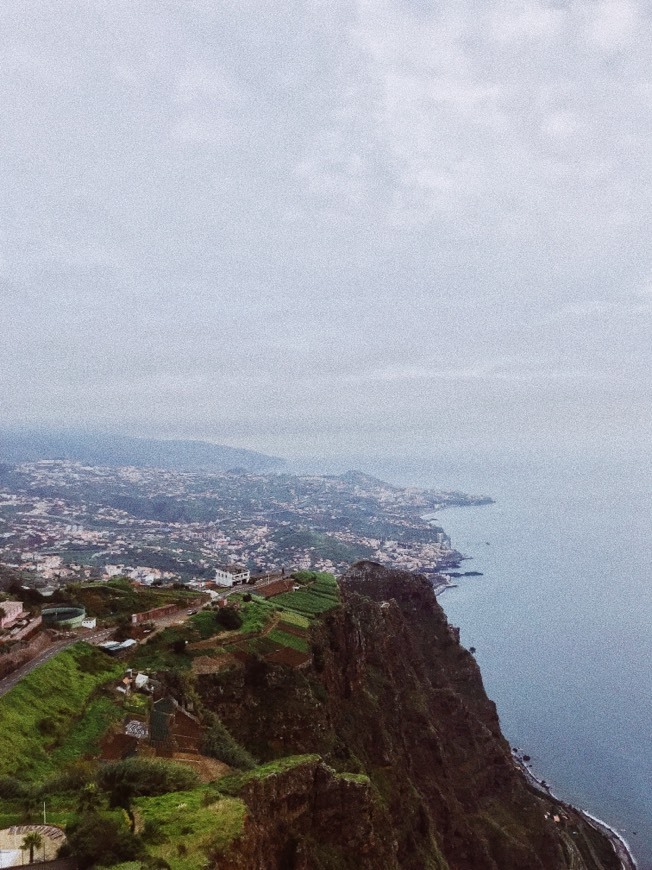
(275,588)
(117,746)
(287,656)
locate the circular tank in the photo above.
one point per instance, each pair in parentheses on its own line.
(65,616)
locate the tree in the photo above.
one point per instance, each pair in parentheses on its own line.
(89,799)
(94,838)
(229,618)
(123,628)
(32,841)
(31,804)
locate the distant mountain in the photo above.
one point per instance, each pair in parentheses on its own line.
(114,450)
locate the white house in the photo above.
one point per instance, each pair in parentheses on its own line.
(231,575)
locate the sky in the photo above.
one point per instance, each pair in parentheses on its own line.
(373,227)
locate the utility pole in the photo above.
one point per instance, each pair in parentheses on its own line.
(44,819)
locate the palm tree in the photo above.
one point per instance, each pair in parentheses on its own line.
(32,841)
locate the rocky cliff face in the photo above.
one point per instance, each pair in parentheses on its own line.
(392,696)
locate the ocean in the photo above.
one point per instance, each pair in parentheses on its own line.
(561,619)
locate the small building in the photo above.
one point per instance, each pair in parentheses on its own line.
(141,680)
(113,648)
(46,591)
(232,575)
(89,622)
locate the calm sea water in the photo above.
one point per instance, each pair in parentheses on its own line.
(562,620)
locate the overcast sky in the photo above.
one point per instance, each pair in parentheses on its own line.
(325,227)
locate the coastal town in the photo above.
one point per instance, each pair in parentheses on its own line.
(63,522)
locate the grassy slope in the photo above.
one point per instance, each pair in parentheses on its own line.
(55,698)
(233,783)
(192,821)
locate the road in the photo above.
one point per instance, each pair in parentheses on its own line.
(95,638)
(10,681)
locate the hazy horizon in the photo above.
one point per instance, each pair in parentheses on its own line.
(328,229)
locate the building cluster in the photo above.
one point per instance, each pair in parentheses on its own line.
(64,522)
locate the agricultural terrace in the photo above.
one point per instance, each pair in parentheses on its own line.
(57,713)
(318,594)
(285,637)
(276,629)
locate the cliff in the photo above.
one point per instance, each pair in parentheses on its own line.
(402,763)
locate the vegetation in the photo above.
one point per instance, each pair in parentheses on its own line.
(256,613)
(323,545)
(290,617)
(228,618)
(93,839)
(315,597)
(159,653)
(32,841)
(191,826)
(282,638)
(168,650)
(85,735)
(143,776)
(118,598)
(219,743)
(204,623)
(45,714)
(234,783)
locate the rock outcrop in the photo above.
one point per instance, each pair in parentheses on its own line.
(410,769)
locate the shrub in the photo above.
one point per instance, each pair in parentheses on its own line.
(229,618)
(12,788)
(95,840)
(139,776)
(153,832)
(47,726)
(219,743)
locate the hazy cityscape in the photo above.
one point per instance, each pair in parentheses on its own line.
(63,521)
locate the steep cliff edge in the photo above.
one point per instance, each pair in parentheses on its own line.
(409,768)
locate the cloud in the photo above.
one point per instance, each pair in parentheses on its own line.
(613,24)
(228,218)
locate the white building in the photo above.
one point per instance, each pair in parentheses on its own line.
(231,575)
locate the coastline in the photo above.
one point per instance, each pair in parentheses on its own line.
(620,846)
